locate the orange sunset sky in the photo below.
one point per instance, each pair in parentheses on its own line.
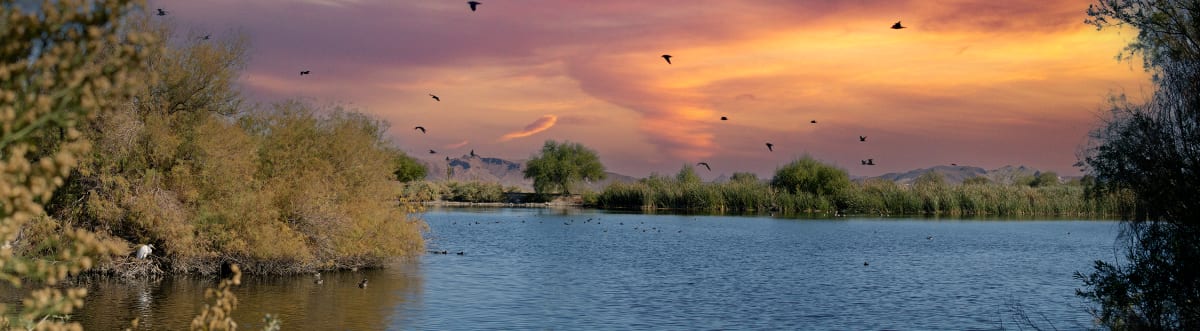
(981,83)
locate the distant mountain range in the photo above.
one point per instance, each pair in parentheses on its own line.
(511,173)
(956,174)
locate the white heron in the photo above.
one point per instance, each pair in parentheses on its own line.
(144,251)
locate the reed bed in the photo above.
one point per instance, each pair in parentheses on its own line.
(868,198)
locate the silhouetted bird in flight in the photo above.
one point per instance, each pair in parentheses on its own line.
(306,72)
(161,12)
(862,138)
(667,57)
(705,164)
(723,118)
(869,162)
(435,98)
(205,37)
(420,128)
(433,152)
(954,164)
(897,26)
(770,147)
(813,121)
(473,4)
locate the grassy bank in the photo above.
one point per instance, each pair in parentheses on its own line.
(926,196)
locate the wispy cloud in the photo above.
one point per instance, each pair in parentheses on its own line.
(458,145)
(542,124)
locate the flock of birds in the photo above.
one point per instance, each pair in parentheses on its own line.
(144,251)
(474,5)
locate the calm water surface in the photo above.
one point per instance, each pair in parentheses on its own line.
(525,269)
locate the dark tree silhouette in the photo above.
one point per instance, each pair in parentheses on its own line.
(1152,150)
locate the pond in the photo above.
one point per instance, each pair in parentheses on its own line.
(587,269)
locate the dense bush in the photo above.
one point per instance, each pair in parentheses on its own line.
(287,188)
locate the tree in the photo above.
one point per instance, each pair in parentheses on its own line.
(559,165)
(408,169)
(1041,179)
(809,175)
(687,175)
(1152,150)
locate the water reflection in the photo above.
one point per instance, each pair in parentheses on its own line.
(336,303)
(529,269)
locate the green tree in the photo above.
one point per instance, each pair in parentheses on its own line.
(811,176)
(559,165)
(1152,150)
(1042,179)
(687,175)
(408,169)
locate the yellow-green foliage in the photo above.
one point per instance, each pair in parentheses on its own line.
(60,66)
(288,188)
(928,195)
(475,192)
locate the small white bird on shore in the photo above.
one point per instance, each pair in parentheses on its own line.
(144,251)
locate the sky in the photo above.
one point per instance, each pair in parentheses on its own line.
(974,82)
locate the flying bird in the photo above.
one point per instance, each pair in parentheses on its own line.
(420,128)
(433,152)
(161,12)
(435,98)
(705,164)
(770,147)
(306,72)
(869,162)
(897,26)
(862,138)
(723,118)
(667,57)
(954,164)
(205,37)
(813,121)
(473,4)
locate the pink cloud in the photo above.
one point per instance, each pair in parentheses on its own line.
(542,124)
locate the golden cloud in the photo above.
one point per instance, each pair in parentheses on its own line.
(542,124)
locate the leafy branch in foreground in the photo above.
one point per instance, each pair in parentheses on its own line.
(61,64)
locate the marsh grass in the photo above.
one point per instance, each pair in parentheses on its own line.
(874,197)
